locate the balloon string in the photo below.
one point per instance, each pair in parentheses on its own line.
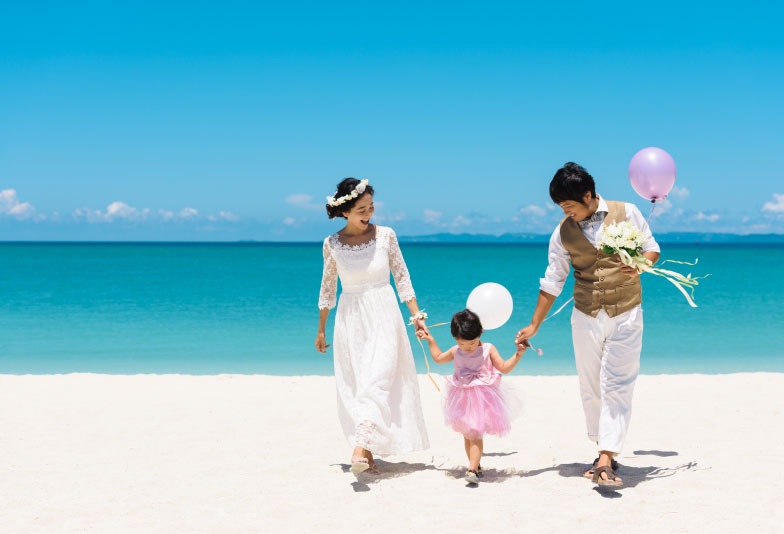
(540,352)
(427,363)
(559,309)
(649,219)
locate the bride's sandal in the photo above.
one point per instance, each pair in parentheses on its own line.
(359,464)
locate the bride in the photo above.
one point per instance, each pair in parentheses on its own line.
(378,394)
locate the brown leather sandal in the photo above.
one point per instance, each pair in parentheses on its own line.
(592,470)
(611,482)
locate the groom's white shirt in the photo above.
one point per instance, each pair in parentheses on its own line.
(559,262)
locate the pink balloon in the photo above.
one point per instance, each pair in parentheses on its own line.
(652,173)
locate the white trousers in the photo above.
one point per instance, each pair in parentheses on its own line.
(607,355)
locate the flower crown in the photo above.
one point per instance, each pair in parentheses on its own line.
(358,190)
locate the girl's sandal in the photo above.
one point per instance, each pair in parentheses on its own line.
(373,469)
(611,482)
(479,471)
(472,477)
(359,464)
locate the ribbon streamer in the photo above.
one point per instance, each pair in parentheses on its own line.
(427,363)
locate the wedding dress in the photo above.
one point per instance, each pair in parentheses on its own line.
(377,390)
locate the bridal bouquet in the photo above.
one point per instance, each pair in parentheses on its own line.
(626,240)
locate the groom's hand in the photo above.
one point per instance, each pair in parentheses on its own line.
(526,333)
(629,271)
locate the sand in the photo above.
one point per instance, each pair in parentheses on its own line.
(243,453)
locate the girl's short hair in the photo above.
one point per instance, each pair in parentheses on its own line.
(571,182)
(466,325)
(345,187)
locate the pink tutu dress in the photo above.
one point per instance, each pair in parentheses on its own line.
(474,402)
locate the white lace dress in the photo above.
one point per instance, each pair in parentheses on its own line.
(378,394)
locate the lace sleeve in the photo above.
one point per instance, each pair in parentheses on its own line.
(399,270)
(329,280)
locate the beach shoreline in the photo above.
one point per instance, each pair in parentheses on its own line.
(255,453)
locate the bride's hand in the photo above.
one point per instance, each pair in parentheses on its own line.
(321,343)
(420,325)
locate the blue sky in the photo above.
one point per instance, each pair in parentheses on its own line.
(224,121)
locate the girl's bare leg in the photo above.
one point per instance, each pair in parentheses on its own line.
(475,447)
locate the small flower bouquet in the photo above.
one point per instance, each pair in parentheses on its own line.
(626,240)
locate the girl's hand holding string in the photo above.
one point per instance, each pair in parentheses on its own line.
(424,334)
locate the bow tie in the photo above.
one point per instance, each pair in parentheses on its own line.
(593,219)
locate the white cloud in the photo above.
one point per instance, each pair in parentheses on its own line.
(432,216)
(535,210)
(775,206)
(116,211)
(299,199)
(461,221)
(121,210)
(710,218)
(757,228)
(10,205)
(679,192)
(289,221)
(399,216)
(188,213)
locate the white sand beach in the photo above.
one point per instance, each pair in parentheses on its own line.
(241,453)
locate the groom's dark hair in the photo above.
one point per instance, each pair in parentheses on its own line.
(466,325)
(571,182)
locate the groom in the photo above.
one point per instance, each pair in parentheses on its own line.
(607,317)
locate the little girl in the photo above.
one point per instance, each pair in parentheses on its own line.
(474,403)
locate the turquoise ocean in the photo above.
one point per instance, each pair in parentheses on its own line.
(207,308)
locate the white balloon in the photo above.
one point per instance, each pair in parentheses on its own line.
(492,303)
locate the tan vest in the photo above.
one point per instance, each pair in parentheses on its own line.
(599,282)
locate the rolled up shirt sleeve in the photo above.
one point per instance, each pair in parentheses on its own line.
(634,215)
(558,266)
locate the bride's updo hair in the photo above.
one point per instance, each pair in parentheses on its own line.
(345,188)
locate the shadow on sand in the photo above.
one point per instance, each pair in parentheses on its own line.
(655,453)
(387,470)
(632,476)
